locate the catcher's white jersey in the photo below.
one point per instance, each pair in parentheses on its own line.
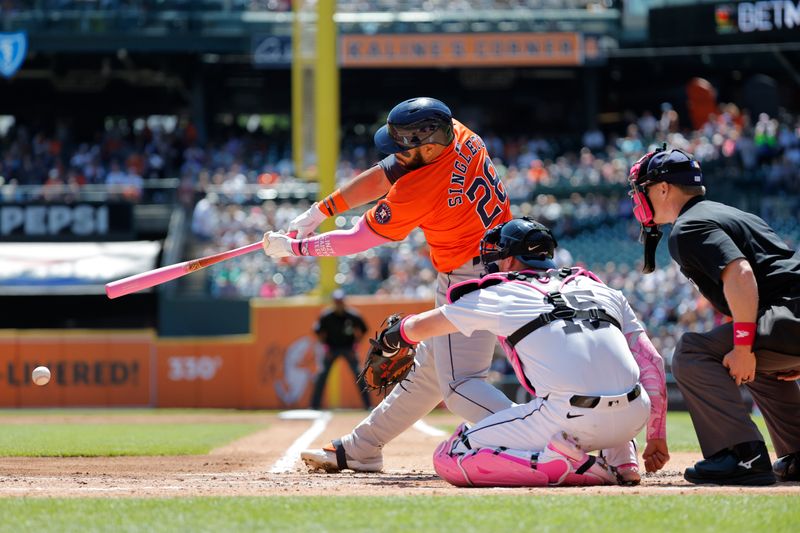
(588,362)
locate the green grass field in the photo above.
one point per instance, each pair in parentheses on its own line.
(119,439)
(124,411)
(95,440)
(682,438)
(773,513)
(505,511)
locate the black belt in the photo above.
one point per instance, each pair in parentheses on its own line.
(590,402)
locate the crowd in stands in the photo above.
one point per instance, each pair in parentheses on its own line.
(761,149)
(348,6)
(578,187)
(40,164)
(595,229)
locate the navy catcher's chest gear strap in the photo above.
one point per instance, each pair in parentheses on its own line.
(561,311)
(465,287)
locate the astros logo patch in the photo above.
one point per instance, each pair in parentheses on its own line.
(383,213)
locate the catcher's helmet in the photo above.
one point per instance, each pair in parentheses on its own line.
(413,123)
(527,240)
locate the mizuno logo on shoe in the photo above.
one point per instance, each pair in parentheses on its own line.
(749,464)
(570,415)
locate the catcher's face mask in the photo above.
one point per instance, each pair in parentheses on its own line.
(638,178)
(643,210)
(490,250)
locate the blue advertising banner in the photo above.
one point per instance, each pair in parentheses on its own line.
(13,49)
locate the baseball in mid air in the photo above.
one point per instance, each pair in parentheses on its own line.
(41,375)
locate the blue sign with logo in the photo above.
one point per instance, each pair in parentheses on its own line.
(272,51)
(13,49)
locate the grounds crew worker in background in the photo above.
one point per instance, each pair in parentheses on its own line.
(749,274)
(339,329)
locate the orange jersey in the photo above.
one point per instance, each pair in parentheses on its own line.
(453,200)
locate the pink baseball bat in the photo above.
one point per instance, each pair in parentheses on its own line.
(157,276)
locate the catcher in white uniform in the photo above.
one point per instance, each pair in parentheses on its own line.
(575,344)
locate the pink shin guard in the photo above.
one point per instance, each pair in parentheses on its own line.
(485,467)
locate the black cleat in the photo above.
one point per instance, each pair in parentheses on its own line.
(747,464)
(787,468)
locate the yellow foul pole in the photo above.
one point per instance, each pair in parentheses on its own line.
(326,121)
(326,140)
(298,64)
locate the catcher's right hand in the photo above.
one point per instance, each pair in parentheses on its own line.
(389,359)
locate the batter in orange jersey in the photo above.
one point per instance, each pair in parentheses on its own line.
(454,200)
(439,178)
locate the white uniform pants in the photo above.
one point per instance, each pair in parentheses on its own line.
(455,369)
(611,424)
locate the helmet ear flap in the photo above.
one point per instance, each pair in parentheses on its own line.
(552,237)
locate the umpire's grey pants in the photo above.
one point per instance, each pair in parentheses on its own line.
(720,416)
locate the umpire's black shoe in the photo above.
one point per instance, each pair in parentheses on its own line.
(746,464)
(787,468)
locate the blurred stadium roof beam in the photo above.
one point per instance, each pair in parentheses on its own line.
(478,15)
(661,51)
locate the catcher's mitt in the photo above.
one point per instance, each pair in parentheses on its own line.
(389,359)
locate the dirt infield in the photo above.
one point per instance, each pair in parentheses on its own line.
(243,468)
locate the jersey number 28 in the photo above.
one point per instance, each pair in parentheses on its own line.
(492,189)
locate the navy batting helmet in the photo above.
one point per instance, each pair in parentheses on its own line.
(413,123)
(522,238)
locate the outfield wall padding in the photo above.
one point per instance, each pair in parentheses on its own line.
(271,367)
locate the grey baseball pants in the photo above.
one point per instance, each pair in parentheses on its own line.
(720,416)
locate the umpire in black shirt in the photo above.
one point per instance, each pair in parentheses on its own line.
(749,274)
(339,329)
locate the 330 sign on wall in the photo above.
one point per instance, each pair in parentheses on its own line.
(191,368)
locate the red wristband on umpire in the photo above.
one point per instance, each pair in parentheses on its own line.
(744,333)
(333,203)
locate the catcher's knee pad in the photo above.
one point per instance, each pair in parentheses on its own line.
(445,457)
(447,467)
(564,463)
